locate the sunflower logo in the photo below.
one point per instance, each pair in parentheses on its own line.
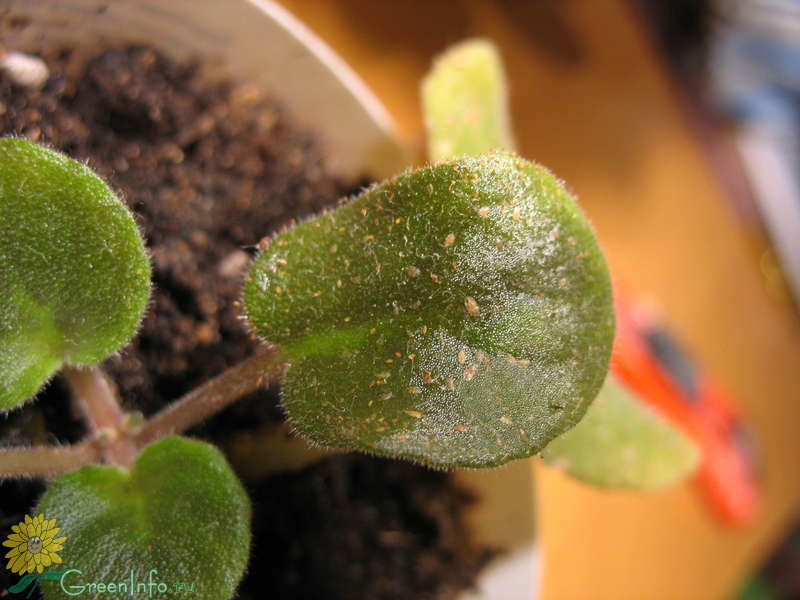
(33,545)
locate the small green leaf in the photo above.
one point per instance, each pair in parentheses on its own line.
(622,443)
(457,315)
(74,274)
(465,102)
(180,509)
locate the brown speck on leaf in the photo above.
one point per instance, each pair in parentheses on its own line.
(412,271)
(414,390)
(413,413)
(449,240)
(462,357)
(471,306)
(518,361)
(426,377)
(470,372)
(480,357)
(483,212)
(506,420)
(460,427)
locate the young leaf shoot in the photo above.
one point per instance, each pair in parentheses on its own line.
(465,102)
(622,443)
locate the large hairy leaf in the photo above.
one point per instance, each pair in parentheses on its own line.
(74,275)
(457,315)
(180,510)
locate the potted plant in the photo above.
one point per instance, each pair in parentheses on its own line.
(458,315)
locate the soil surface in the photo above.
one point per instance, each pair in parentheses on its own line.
(209,170)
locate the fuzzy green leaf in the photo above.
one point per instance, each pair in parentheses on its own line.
(74,274)
(180,509)
(465,102)
(622,443)
(457,315)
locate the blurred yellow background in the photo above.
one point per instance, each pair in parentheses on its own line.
(593,101)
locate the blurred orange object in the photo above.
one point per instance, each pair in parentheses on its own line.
(649,361)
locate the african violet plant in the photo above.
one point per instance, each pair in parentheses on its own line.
(456,315)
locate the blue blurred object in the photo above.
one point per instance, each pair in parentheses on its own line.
(755,75)
(755,62)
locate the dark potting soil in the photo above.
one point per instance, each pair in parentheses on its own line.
(209,170)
